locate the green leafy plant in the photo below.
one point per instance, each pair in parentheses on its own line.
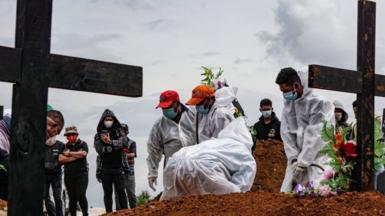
(143,198)
(212,79)
(379,147)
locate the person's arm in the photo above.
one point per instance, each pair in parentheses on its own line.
(82,153)
(312,141)
(289,138)
(155,151)
(66,159)
(78,154)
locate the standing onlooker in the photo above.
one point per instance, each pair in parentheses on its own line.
(53,159)
(109,143)
(129,154)
(76,170)
(5,141)
(340,115)
(268,126)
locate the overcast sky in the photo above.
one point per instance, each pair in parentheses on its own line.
(171,39)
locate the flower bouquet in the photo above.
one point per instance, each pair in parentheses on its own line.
(342,154)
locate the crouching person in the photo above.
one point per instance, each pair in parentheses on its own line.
(53,160)
(216,166)
(76,171)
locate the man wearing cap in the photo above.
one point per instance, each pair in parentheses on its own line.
(213,112)
(76,170)
(164,136)
(53,161)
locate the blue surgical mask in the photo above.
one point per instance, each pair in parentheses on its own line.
(290,96)
(266,113)
(169,113)
(201,109)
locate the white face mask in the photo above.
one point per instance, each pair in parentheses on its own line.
(108,123)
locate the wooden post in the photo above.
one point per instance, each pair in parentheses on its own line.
(1,112)
(26,180)
(365,121)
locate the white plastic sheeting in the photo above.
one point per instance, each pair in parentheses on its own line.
(217,166)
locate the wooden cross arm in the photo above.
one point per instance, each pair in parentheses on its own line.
(336,79)
(10,61)
(95,76)
(78,74)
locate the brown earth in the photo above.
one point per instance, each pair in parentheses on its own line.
(264,198)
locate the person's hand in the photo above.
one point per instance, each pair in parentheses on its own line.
(152,182)
(66,153)
(298,172)
(105,138)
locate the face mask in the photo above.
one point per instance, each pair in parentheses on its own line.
(201,109)
(338,116)
(266,113)
(72,139)
(108,123)
(169,113)
(290,96)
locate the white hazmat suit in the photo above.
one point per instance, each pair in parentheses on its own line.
(208,125)
(216,166)
(163,140)
(302,121)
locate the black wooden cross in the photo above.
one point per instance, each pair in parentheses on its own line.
(365,83)
(1,112)
(33,69)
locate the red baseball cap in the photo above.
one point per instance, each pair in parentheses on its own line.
(167,98)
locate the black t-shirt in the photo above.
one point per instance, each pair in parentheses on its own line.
(112,160)
(79,165)
(51,164)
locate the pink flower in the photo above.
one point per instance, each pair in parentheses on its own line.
(326,191)
(328,174)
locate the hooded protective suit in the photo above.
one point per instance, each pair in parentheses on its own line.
(163,139)
(208,125)
(302,121)
(217,166)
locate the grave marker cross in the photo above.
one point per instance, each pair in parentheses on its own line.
(365,83)
(33,69)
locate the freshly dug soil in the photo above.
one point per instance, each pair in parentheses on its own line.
(264,198)
(271,166)
(265,203)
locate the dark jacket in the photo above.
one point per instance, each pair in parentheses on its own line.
(342,124)
(111,154)
(268,131)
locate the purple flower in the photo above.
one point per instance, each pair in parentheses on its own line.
(299,190)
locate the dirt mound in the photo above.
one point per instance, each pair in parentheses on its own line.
(265,203)
(265,198)
(271,166)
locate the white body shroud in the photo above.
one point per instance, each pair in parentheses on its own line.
(301,126)
(217,166)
